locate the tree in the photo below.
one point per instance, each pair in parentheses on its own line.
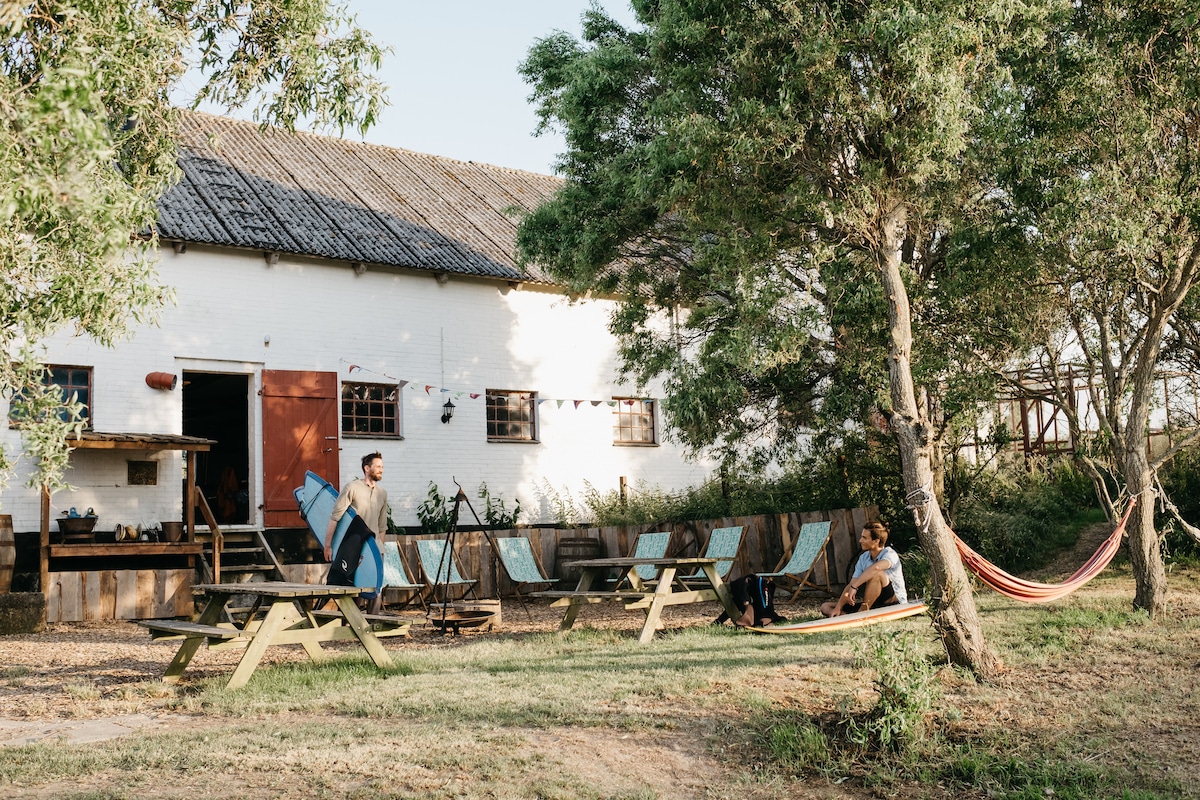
(807,182)
(88,146)
(1109,168)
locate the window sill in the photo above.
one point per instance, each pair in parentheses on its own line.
(635,444)
(514,441)
(392,437)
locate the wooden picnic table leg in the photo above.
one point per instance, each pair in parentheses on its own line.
(585,582)
(362,630)
(211,615)
(281,612)
(662,591)
(722,589)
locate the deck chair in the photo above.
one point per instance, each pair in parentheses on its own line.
(649,545)
(521,565)
(794,575)
(439,567)
(723,544)
(396,582)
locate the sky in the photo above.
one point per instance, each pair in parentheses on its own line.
(452,75)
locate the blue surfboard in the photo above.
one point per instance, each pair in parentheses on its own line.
(316,499)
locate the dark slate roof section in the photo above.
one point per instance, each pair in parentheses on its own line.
(331,198)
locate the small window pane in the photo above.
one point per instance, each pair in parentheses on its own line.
(633,421)
(510,415)
(371,409)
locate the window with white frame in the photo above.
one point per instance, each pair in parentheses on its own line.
(371,410)
(633,421)
(511,416)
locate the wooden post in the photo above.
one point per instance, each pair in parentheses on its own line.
(189,494)
(44,546)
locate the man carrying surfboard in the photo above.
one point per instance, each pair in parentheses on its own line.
(878,579)
(369,501)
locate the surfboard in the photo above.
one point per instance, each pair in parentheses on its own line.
(316,499)
(856,620)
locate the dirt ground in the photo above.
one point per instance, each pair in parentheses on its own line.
(86,682)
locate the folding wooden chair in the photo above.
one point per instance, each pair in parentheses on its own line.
(793,574)
(521,565)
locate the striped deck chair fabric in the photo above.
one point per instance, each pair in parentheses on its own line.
(432,553)
(516,555)
(395,576)
(723,544)
(806,550)
(650,545)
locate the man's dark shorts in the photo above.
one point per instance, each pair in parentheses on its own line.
(887,597)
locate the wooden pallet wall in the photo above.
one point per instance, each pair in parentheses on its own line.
(118,594)
(767,539)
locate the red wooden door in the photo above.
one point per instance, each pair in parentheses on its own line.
(300,432)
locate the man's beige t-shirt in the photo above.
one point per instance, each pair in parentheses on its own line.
(369,502)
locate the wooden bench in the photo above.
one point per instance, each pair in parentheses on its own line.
(180,629)
(563,597)
(382,625)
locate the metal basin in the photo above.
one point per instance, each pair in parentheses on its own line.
(460,619)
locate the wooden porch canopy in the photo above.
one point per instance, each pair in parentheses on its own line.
(155,442)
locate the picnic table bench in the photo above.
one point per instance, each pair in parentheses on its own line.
(638,594)
(281,614)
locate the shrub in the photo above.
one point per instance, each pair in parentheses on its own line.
(908,687)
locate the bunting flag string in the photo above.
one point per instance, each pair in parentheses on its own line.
(458,394)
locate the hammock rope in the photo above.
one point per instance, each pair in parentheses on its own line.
(1033,592)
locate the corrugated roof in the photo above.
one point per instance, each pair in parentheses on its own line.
(304,194)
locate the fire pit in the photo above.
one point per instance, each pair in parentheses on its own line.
(460,619)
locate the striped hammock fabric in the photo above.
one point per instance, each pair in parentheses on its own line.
(1033,592)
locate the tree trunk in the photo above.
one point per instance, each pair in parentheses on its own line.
(1145,554)
(954,614)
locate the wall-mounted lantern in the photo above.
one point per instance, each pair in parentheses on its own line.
(448,411)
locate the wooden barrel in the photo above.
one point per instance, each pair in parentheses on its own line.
(574,549)
(8,553)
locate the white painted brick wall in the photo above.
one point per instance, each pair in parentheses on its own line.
(321,316)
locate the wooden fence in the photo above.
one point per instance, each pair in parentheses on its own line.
(134,594)
(767,539)
(118,594)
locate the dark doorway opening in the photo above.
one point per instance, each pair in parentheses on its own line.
(216,406)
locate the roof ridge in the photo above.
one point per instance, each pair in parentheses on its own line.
(331,137)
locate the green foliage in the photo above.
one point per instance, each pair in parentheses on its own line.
(89,144)
(436,511)
(797,744)
(495,512)
(1020,517)
(1181,479)
(908,688)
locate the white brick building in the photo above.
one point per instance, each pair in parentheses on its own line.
(336,268)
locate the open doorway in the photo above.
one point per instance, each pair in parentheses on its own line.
(216,406)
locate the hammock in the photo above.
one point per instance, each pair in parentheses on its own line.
(1032,592)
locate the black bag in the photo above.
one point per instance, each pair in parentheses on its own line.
(757,591)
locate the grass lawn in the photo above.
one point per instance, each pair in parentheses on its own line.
(1095,701)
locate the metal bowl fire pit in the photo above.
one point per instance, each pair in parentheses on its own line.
(460,619)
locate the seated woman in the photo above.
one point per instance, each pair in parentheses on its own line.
(877,576)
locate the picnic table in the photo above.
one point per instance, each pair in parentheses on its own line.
(668,589)
(281,614)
